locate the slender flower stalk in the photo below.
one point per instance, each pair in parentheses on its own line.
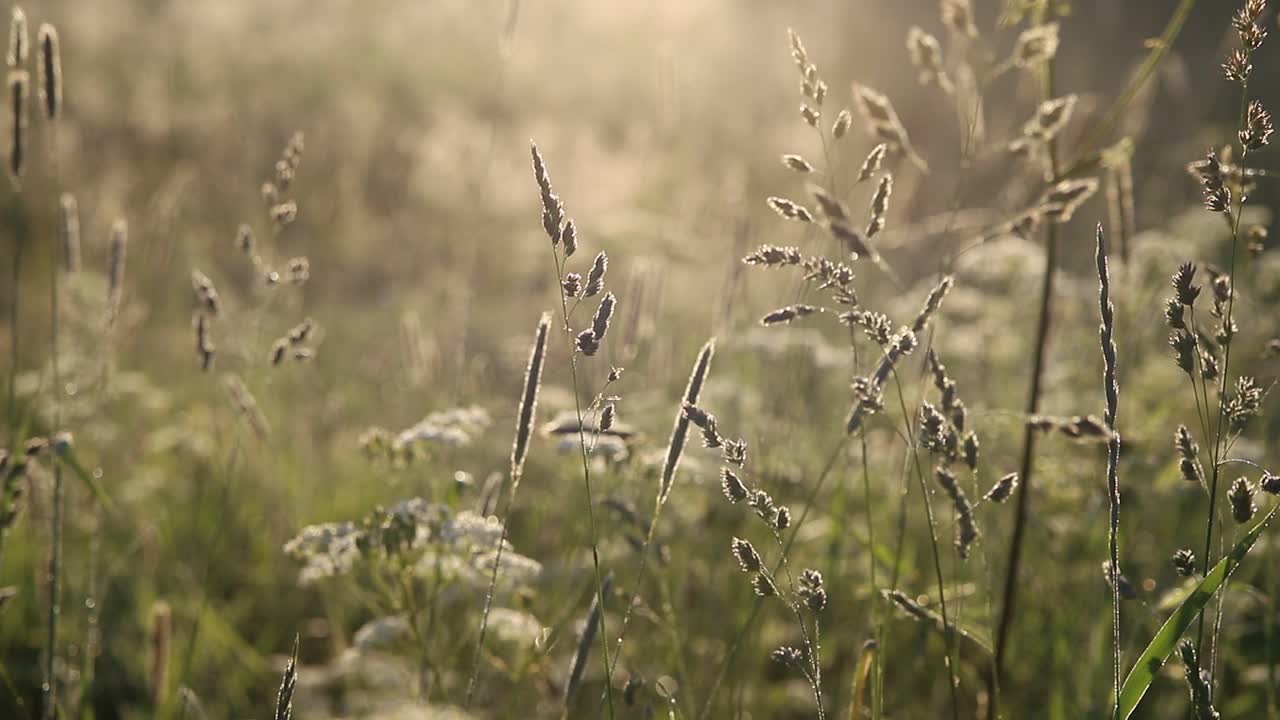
(1106,333)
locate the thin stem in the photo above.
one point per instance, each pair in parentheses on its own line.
(948,638)
(586,478)
(1027,463)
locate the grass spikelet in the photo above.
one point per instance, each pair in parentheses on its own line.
(1061,201)
(19,42)
(774,256)
(966,526)
(957,15)
(1241,497)
(529,400)
(790,209)
(1036,45)
(115,269)
(49,71)
(680,432)
(585,641)
(880,206)
(204,344)
(883,123)
(284,697)
(926,56)
(1003,488)
(595,277)
(525,418)
(206,293)
(871,165)
(786,314)
(246,405)
(1197,682)
(19,97)
(932,303)
(1111,388)
(69,232)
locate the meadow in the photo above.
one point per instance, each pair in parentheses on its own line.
(716,359)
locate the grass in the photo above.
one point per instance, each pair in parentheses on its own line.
(284,453)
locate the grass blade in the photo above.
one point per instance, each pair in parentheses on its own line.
(1166,639)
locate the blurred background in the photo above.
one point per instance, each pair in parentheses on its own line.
(662,124)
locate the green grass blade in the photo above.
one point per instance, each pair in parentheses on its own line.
(1166,639)
(67,456)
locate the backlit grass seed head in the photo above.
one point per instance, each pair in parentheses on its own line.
(774,256)
(762,503)
(1036,45)
(1245,21)
(871,165)
(782,520)
(880,206)
(926,55)
(966,526)
(1237,66)
(790,209)
(50,71)
(1126,588)
(763,585)
(1244,404)
(284,698)
(206,293)
(1174,315)
(969,448)
(831,208)
(786,314)
(1270,484)
(789,656)
(1241,497)
(569,236)
(600,322)
(812,591)
(810,116)
(607,417)
(284,213)
(571,284)
(680,431)
(883,123)
(1184,561)
(1188,455)
(586,641)
(957,15)
(19,100)
(707,422)
(931,306)
(298,270)
(1061,201)
(1258,127)
(1050,118)
(19,42)
(246,405)
(595,277)
(69,232)
(204,344)
(1197,682)
(1003,489)
(1208,365)
(840,128)
(748,558)
(877,326)
(1217,197)
(796,163)
(1257,236)
(735,452)
(529,399)
(732,486)
(552,208)
(115,268)
(1184,351)
(907,605)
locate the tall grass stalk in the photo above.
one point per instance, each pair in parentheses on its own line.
(1106,334)
(1027,461)
(526,415)
(51,91)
